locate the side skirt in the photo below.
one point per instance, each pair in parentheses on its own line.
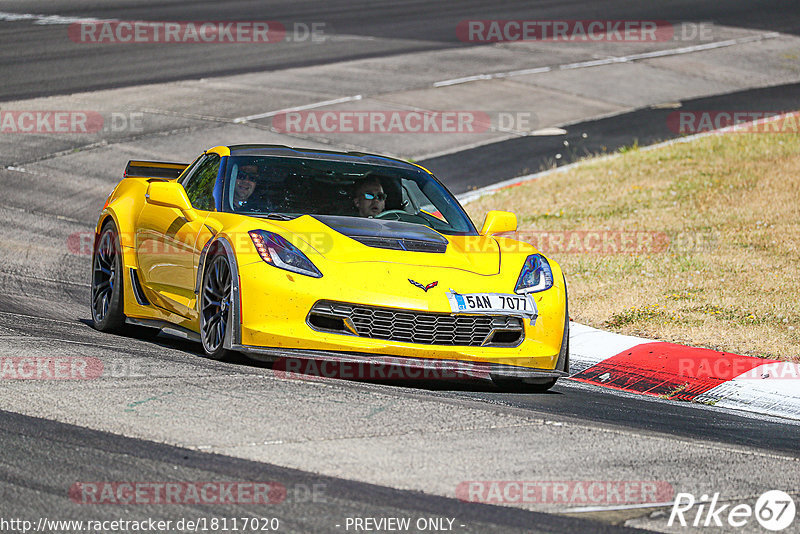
(166,328)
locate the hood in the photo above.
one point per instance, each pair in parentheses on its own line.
(357,239)
(392,235)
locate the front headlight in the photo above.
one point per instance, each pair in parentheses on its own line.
(278,252)
(536,275)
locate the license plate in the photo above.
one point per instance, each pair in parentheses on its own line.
(495,303)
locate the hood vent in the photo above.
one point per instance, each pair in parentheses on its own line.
(412,245)
(394,235)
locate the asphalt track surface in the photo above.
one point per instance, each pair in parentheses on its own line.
(40,60)
(301,505)
(50,305)
(646,126)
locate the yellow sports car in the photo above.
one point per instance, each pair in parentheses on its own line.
(281,252)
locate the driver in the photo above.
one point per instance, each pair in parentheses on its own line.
(369,198)
(245,185)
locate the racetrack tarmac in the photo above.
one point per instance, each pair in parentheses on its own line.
(40,60)
(161,412)
(303,502)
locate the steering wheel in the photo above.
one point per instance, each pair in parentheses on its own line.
(397,215)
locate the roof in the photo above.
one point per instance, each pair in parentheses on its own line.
(312,153)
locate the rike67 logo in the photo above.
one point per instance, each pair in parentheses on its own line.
(774,510)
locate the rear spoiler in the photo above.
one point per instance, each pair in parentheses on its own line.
(154,169)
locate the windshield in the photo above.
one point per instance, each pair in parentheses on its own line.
(289,187)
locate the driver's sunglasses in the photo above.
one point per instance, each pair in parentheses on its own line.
(375,196)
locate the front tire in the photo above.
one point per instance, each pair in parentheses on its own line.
(514,385)
(107,282)
(215,308)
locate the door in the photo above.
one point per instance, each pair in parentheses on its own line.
(167,243)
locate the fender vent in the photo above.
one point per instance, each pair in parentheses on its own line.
(137,289)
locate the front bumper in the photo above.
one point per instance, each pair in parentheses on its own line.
(410,368)
(275,305)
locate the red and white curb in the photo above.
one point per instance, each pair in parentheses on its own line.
(668,370)
(678,372)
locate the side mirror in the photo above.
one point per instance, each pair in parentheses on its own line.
(497,222)
(170,195)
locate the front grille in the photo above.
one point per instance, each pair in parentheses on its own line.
(393,243)
(409,326)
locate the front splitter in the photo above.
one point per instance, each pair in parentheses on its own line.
(356,365)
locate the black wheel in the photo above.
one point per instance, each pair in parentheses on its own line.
(215,307)
(515,385)
(107,282)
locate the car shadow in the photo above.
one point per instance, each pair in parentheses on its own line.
(311,369)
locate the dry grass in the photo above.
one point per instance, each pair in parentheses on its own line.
(729,275)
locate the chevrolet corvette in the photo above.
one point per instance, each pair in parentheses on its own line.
(279,252)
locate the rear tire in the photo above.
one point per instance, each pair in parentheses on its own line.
(215,307)
(107,299)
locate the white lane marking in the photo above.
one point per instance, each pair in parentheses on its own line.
(477,77)
(39,317)
(171,113)
(42,213)
(548,131)
(47,20)
(43,279)
(592,509)
(297,108)
(611,60)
